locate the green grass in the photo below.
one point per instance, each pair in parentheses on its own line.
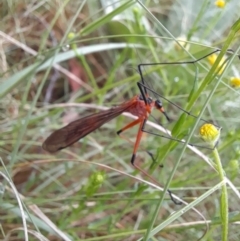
(90,191)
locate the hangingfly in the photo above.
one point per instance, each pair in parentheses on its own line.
(140,106)
(76,130)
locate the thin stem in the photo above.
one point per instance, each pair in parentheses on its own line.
(224,196)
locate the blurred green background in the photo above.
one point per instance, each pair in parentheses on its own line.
(62,60)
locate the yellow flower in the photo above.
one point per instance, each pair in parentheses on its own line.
(210,133)
(235,82)
(220,3)
(212,58)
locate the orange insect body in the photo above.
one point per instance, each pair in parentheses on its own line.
(76,130)
(139,108)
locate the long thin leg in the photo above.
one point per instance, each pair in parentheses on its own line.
(172,103)
(133,143)
(130,141)
(177,63)
(130,125)
(136,145)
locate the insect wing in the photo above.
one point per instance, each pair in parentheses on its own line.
(76,130)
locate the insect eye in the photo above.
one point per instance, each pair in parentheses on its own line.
(158,104)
